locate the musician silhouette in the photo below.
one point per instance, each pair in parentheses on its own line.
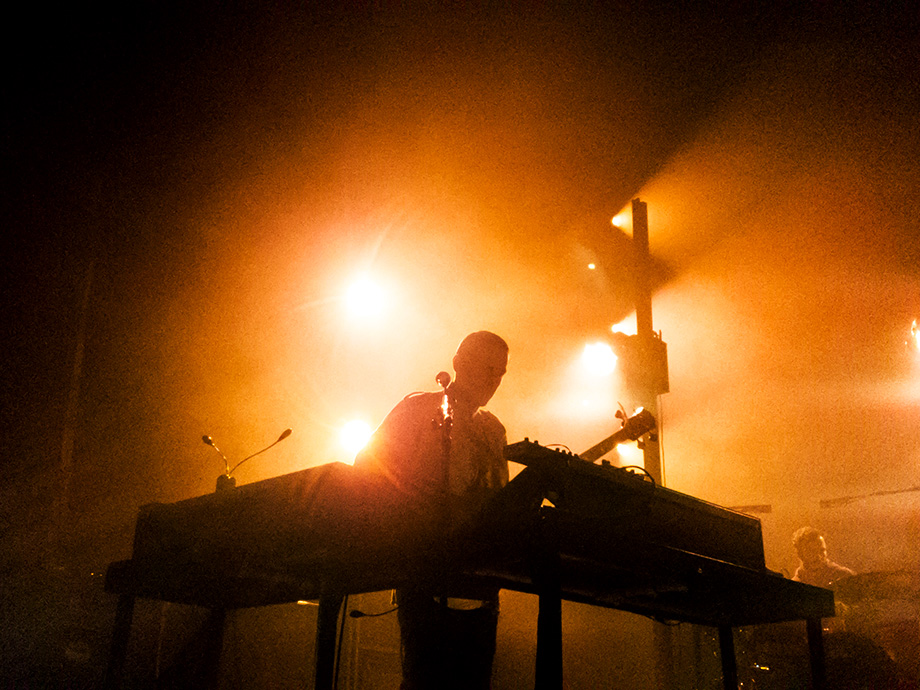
(815,567)
(442,449)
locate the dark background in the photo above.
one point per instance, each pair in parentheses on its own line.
(188,191)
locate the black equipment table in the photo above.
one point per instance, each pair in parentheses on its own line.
(563,529)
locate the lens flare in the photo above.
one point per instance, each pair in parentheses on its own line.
(364,299)
(599,359)
(355,435)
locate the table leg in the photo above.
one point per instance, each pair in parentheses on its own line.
(326,632)
(214,644)
(121,632)
(549,625)
(816,653)
(729,662)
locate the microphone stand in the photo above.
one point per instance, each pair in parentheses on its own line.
(445,422)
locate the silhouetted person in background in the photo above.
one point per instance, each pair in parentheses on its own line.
(450,458)
(815,567)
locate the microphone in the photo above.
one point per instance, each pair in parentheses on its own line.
(230,470)
(284,435)
(210,441)
(443,379)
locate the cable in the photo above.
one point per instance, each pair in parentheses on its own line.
(341,640)
(361,614)
(641,470)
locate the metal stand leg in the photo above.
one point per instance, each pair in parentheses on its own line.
(729,663)
(121,632)
(549,642)
(326,633)
(214,643)
(816,653)
(549,625)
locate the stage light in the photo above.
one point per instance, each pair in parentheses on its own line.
(364,299)
(630,454)
(355,435)
(627,326)
(592,266)
(599,359)
(620,220)
(644,362)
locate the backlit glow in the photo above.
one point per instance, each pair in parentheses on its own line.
(355,435)
(599,359)
(364,299)
(915,335)
(627,326)
(630,454)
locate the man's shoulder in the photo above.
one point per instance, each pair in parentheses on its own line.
(419,396)
(487,417)
(414,406)
(490,423)
(420,400)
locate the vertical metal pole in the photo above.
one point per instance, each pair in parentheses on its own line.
(648,398)
(643,280)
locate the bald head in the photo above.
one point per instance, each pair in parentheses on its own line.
(480,364)
(481,344)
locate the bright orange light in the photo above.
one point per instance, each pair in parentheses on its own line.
(591,266)
(620,220)
(915,334)
(599,359)
(364,299)
(355,435)
(631,454)
(627,326)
